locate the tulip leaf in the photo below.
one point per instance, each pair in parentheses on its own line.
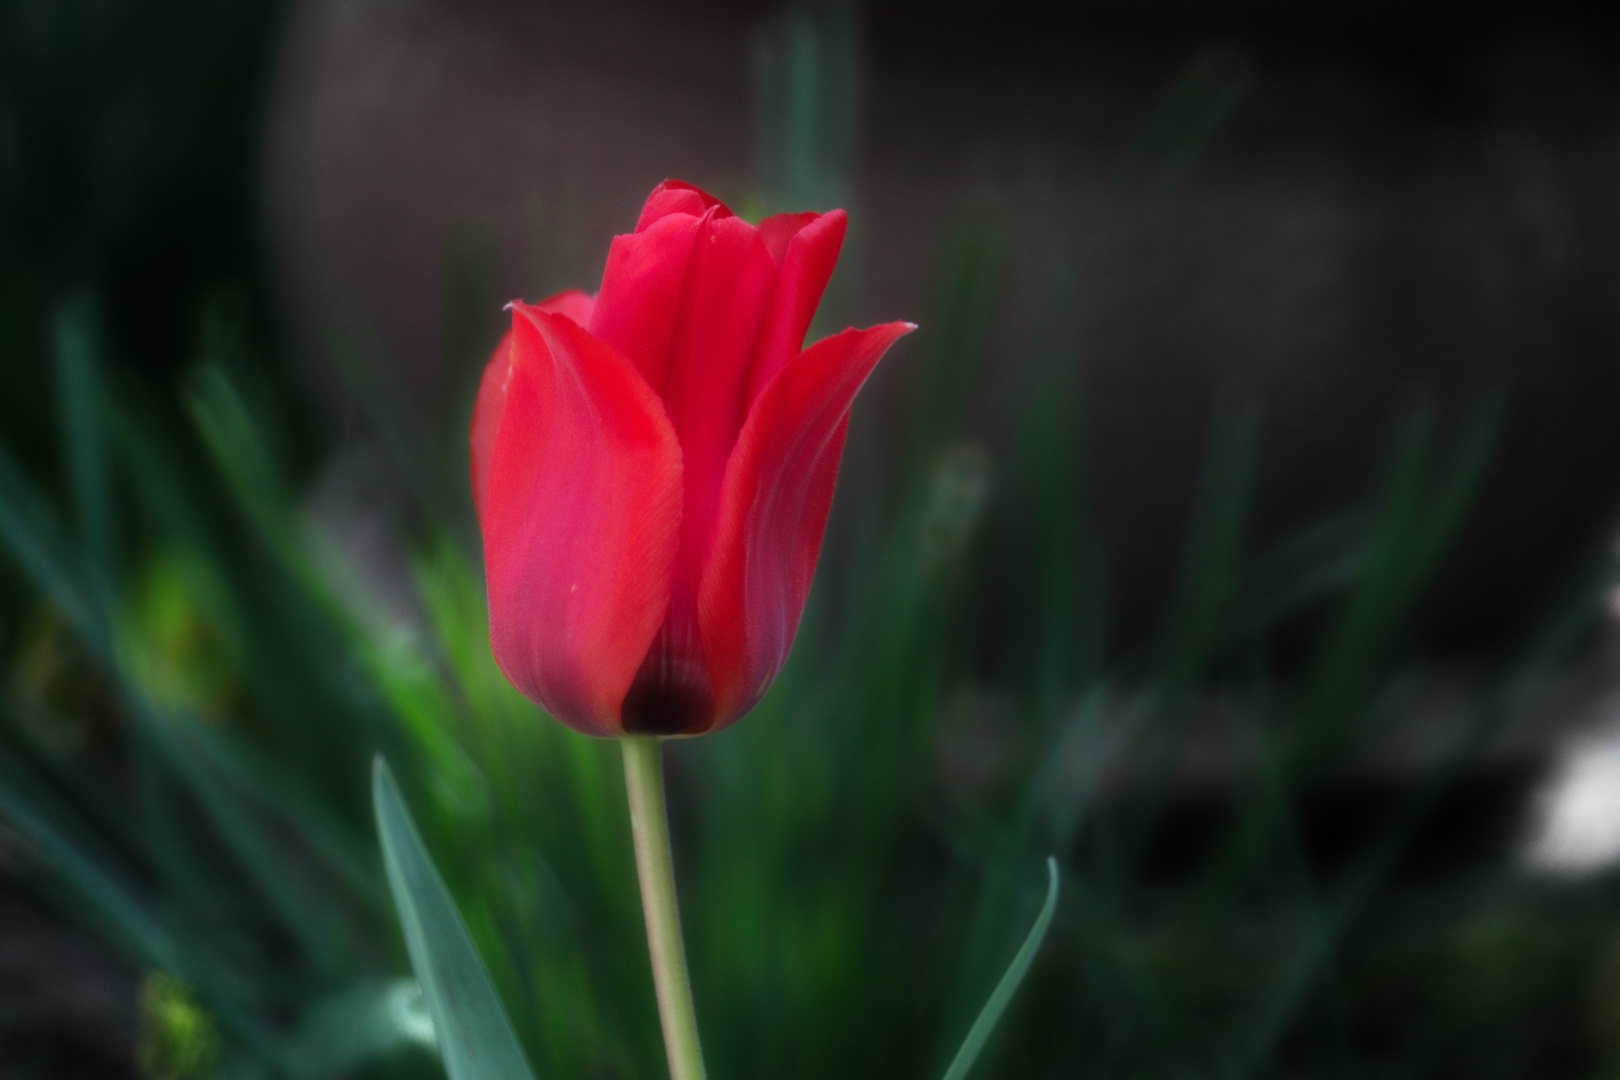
(38,542)
(990,1015)
(475,1038)
(85,871)
(366,1022)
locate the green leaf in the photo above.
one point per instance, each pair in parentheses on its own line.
(990,1015)
(476,1041)
(38,542)
(84,438)
(244,836)
(254,778)
(82,867)
(365,1022)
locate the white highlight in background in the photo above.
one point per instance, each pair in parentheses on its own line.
(1578,831)
(1577,822)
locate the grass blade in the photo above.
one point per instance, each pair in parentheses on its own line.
(84,439)
(39,544)
(244,837)
(476,1040)
(255,779)
(82,869)
(990,1015)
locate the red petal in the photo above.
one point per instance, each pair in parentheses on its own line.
(778,229)
(773,511)
(492,388)
(581,519)
(642,288)
(810,251)
(728,286)
(572,303)
(678,197)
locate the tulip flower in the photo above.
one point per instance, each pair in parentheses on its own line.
(653,468)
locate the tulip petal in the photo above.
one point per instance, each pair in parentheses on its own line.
(642,288)
(492,388)
(678,197)
(773,512)
(728,285)
(729,282)
(779,229)
(809,246)
(581,518)
(576,305)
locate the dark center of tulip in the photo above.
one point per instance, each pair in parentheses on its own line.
(671,694)
(655,706)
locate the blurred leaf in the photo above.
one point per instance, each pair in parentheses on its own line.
(284,796)
(1421,507)
(807,87)
(82,867)
(1211,574)
(84,434)
(982,1028)
(955,336)
(1085,750)
(365,1022)
(234,441)
(1308,566)
(179,1040)
(1050,457)
(1160,157)
(38,542)
(475,1039)
(1213,568)
(255,851)
(422,702)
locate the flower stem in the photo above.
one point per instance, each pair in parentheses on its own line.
(649,821)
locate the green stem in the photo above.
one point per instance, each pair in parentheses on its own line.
(649,821)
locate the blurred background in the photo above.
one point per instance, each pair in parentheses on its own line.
(1239,527)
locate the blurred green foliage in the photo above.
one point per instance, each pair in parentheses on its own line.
(199,671)
(178,1040)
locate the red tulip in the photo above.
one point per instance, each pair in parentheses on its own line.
(653,468)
